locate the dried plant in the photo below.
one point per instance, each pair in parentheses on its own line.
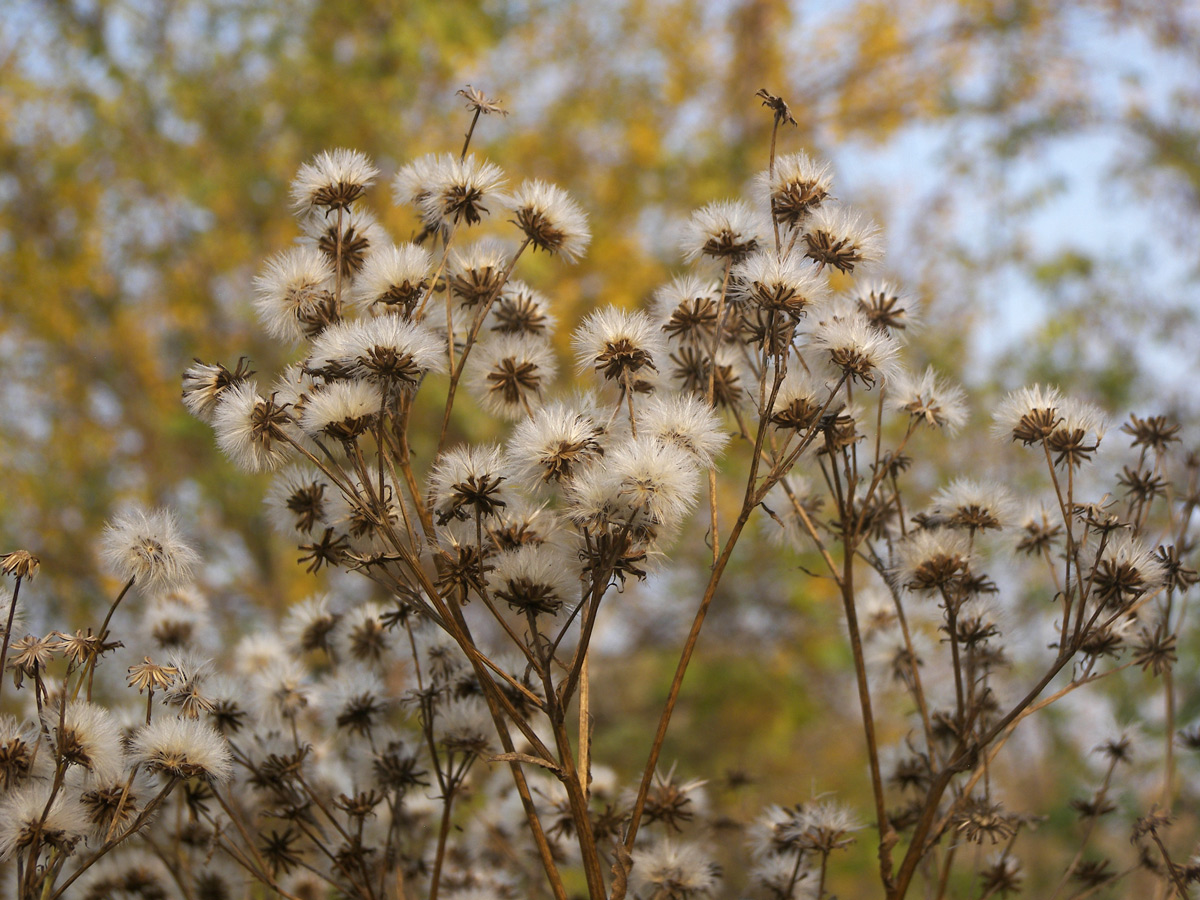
(432,736)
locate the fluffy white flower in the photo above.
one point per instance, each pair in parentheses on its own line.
(551,219)
(553,444)
(335,178)
(790,284)
(841,239)
(618,344)
(797,186)
(393,279)
(929,400)
(521,310)
(250,429)
(510,373)
(293,294)
(724,230)
(686,422)
(342,410)
(183,748)
(147,547)
(24,814)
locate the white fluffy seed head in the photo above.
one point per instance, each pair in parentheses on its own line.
(862,352)
(618,344)
(974,505)
(839,238)
(352,235)
(1028,414)
(641,482)
(686,311)
(551,446)
(250,428)
(293,294)
(887,308)
(467,482)
(183,748)
(342,410)
(680,871)
(509,374)
(88,738)
(205,384)
(28,813)
(929,400)
(298,500)
(796,187)
(393,279)
(388,351)
(457,190)
(535,578)
(521,310)
(687,422)
(550,219)
(334,178)
(790,285)
(724,230)
(147,547)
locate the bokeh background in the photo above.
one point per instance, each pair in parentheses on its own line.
(1035,165)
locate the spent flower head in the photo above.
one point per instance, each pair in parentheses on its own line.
(726,230)
(550,219)
(333,180)
(145,546)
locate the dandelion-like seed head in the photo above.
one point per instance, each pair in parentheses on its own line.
(789,285)
(974,506)
(392,280)
(475,274)
(1078,433)
(465,726)
(145,546)
(183,748)
(550,219)
(673,870)
(351,236)
(930,400)
(204,384)
(798,186)
(1029,415)
(1124,570)
(862,352)
(618,344)
(387,351)
(886,307)
(510,373)
(33,813)
(342,410)
(686,422)
(641,482)
(466,483)
(298,500)
(251,429)
(535,578)
(521,310)
(687,311)
(459,191)
(552,445)
(933,561)
(333,180)
(293,294)
(87,737)
(726,230)
(841,239)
